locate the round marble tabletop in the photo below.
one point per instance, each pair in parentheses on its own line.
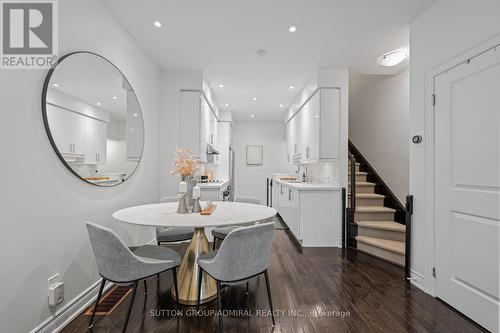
(165,215)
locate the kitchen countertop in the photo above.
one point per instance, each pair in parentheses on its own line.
(213,185)
(310,186)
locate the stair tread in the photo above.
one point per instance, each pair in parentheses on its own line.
(382,225)
(364,184)
(389,245)
(374,209)
(369,196)
(360,173)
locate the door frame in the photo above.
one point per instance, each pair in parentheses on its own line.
(429,214)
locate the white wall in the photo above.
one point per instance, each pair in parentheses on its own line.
(43,205)
(448,30)
(379,108)
(250,180)
(172,81)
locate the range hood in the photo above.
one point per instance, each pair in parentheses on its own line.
(211,150)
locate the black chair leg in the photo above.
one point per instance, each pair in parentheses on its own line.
(131,304)
(101,288)
(247,288)
(214,244)
(269,295)
(219,301)
(145,287)
(174,276)
(200,277)
(158,283)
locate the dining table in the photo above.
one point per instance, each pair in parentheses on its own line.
(164,215)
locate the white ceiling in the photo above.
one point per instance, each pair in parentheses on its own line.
(221,37)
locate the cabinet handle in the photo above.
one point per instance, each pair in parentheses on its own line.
(281,189)
(290,195)
(307,152)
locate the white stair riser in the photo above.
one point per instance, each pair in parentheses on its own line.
(377,202)
(382,234)
(365,189)
(359,178)
(374,216)
(393,257)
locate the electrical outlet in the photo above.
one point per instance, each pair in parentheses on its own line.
(54,279)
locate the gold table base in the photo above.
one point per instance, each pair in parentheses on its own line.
(187,276)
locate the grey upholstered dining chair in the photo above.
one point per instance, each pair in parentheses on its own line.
(243,255)
(173,234)
(117,263)
(220,233)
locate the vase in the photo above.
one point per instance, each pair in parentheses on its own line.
(191,182)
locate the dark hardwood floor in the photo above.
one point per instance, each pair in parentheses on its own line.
(317,290)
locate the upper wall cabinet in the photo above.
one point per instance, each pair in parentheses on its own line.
(198,123)
(313,132)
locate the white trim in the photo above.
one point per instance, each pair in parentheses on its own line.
(417,279)
(70,310)
(62,317)
(428,282)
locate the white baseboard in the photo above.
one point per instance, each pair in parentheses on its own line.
(417,279)
(73,308)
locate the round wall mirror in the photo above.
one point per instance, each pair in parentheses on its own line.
(93,119)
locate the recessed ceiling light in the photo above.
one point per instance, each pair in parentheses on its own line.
(136,115)
(291,87)
(98,103)
(255,98)
(55,85)
(293,28)
(393,58)
(281,105)
(157,24)
(252,116)
(221,86)
(115,97)
(227,104)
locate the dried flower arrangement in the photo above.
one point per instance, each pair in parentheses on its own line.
(184,164)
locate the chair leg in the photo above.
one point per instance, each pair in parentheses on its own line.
(158,283)
(247,288)
(214,244)
(101,288)
(268,286)
(145,287)
(200,277)
(174,276)
(219,301)
(131,304)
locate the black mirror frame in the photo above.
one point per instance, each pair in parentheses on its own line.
(46,121)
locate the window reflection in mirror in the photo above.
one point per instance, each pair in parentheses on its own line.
(93,118)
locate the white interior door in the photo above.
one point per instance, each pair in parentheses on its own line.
(467,154)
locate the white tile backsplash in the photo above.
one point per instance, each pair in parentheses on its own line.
(322,172)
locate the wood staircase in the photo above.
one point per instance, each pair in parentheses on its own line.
(374,226)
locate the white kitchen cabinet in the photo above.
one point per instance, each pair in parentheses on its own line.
(314,131)
(198,124)
(95,141)
(313,212)
(67,129)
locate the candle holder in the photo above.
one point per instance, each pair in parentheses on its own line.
(196,205)
(182,207)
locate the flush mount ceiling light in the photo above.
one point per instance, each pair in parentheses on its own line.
(252,116)
(281,105)
(56,85)
(393,58)
(291,87)
(221,86)
(98,103)
(115,97)
(157,24)
(293,28)
(227,104)
(136,115)
(255,98)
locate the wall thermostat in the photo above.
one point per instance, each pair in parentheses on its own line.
(416,139)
